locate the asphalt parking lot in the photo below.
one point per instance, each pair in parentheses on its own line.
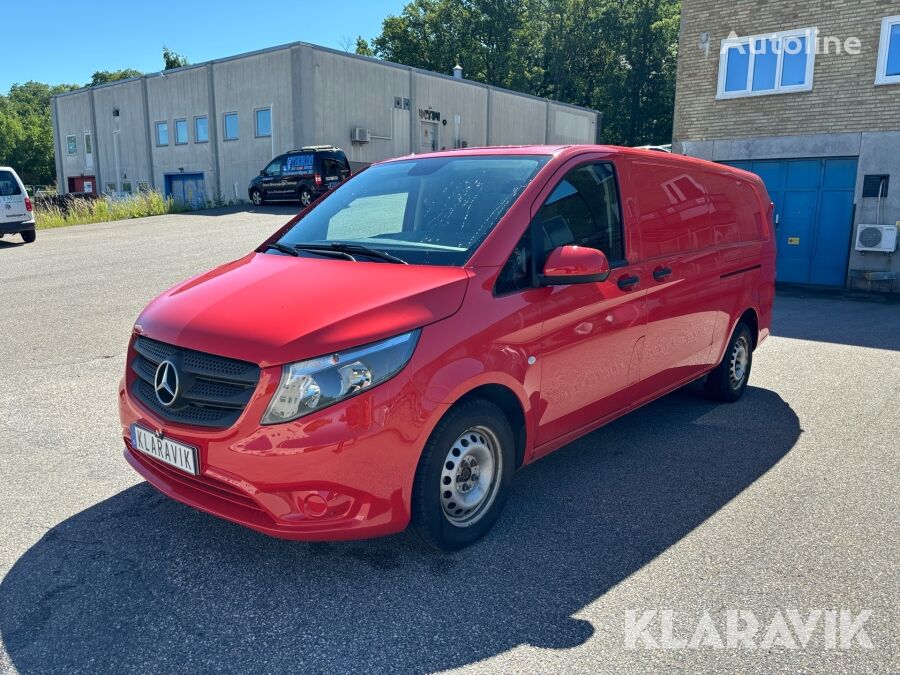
(787,500)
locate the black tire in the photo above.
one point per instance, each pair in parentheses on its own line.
(446,468)
(305,197)
(257,198)
(729,379)
(29,236)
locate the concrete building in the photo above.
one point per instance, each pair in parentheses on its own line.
(203,131)
(806,93)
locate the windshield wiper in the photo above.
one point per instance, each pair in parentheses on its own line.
(295,251)
(283,249)
(347,249)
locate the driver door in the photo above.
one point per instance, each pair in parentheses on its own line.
(272,181)
(592,333)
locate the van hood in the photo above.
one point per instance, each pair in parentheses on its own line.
(274,309)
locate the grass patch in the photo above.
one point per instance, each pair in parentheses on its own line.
(83,211)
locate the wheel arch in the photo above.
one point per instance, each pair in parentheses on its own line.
(507,400)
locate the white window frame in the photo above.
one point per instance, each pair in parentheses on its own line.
(156,126)
(187,130)
(225,137)
(196,137)
(747,42)
(881,76)
(256,112)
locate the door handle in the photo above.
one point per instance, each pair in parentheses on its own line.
(627,283)
(661,273)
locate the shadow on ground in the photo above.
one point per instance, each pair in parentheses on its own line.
(287,209)
(9,242)
(838,317)
(139,582)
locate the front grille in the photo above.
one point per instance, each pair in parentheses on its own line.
(213,392)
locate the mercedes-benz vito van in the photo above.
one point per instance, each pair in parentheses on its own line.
(394,353)
(16,210)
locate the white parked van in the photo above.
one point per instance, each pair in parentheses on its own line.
(16,211)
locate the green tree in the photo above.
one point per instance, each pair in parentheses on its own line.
(362,47)
(618,56)
(174,59)
(26,133)
(104,76)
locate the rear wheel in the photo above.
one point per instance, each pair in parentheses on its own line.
(464,475)
(257,198)
(305,197)
(729,380)
(29,236)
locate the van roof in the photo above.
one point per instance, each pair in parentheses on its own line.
(574,150)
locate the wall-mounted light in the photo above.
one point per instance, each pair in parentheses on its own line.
(115,112)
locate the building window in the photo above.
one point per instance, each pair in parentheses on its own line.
(126,186)
(162,133)
(111,188)
(777,63)
(231,126)
(71,144)
(201,129)
(143,186)
(181,132)
(263,122)
(889,52)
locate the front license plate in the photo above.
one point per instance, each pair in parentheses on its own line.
(166,450)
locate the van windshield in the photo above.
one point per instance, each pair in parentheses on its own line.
(429,211)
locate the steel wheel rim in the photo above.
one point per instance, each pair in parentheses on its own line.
(740,360)
(470,477)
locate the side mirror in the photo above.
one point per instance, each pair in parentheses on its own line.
(262,172)
(574,265)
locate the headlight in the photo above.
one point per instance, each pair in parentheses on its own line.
(307,386)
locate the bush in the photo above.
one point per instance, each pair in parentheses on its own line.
(79,211)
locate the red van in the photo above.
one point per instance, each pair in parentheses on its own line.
(393,354)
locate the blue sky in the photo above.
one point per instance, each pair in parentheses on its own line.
(57,42)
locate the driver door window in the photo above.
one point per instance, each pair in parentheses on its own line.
(584,210)
(274,168)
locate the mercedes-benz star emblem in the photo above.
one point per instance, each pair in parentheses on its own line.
(165,382)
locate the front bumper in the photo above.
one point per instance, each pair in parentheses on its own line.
(345,472)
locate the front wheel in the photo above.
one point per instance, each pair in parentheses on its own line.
(464,475)
(729,380)
(257,198)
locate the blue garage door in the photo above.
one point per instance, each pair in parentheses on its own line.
(187,189)
(814,214)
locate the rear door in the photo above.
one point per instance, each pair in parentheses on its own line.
(332,171)
(591,333)
(12,198)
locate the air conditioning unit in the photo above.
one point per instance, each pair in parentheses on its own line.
(360,135)
(880,238)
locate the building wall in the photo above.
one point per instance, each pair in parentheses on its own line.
(243,85)
(74,117)
(845,114)
(317,97)
(844,97)
(180,94)
(340,84)
(125,134)
(515,120)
